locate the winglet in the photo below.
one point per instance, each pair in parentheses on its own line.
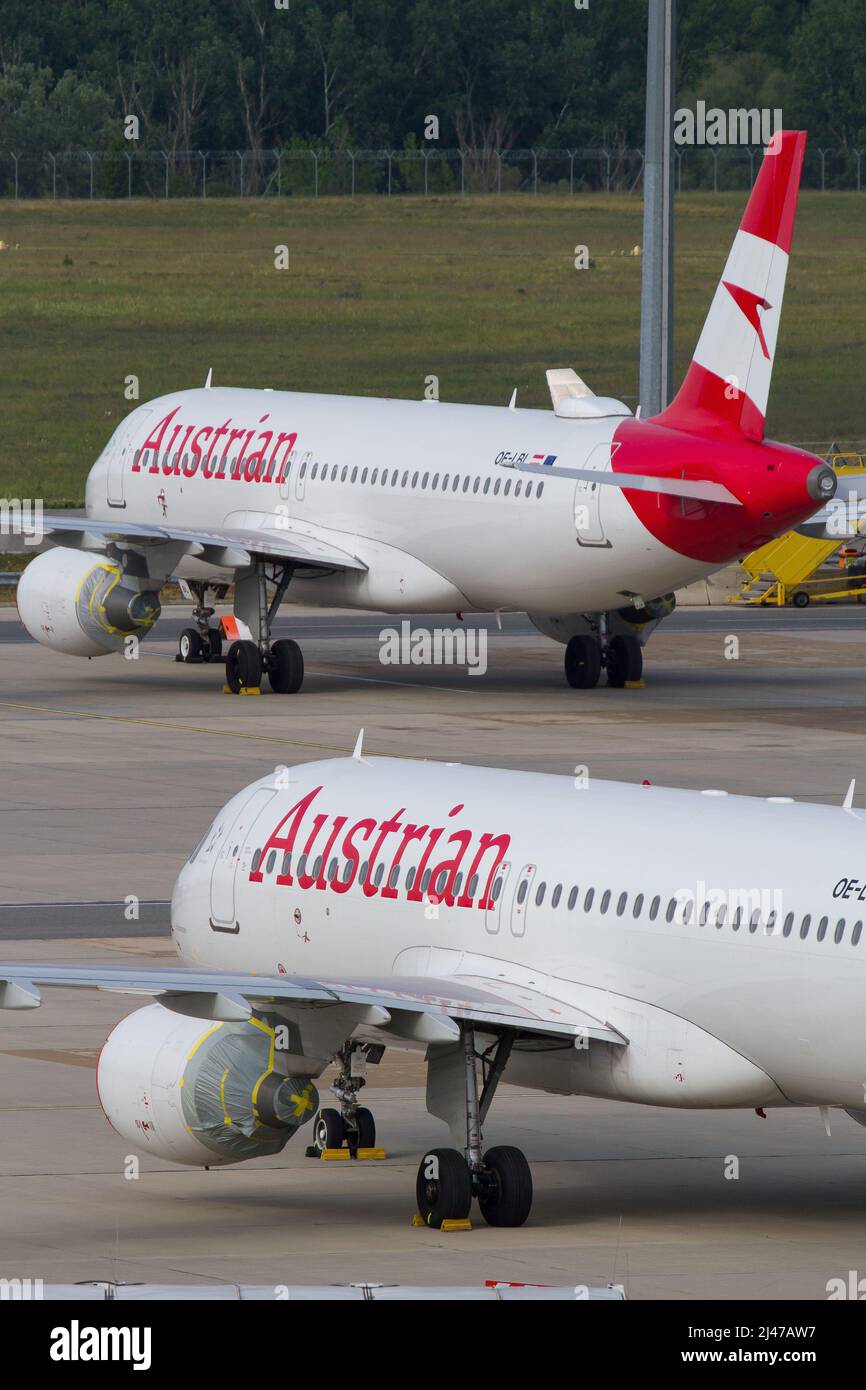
(359,744)
(849,795)
(208,379)
(19,995)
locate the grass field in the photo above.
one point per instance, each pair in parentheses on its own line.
(481,292)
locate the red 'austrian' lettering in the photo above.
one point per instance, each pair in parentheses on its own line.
(248,454)
(483,853)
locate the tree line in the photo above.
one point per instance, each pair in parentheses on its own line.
(492,74)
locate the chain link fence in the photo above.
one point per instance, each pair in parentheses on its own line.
(426,173)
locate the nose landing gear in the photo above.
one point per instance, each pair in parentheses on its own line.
(353,1124)
(204,642)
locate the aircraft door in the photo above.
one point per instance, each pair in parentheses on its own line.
(520,901)
(120,457)
(493,914)
(301,475)
(231,840)
(588,524)
(288,476)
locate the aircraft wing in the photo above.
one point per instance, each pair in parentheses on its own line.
(420,1008)
(231,546)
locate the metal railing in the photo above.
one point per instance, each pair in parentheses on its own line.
(429,172)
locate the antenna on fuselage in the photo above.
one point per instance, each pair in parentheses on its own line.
(512,404)
(208,379)
(359,744)
(848,803)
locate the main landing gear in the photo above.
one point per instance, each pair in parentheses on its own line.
(353,1124)
(448,1179)
(248,659)
(621,657)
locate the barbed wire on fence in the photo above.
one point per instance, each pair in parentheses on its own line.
(309,172)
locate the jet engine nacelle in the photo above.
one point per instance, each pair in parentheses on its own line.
(198,1092)
(83,604)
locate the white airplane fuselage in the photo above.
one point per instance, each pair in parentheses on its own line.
(421,493)
(721,935)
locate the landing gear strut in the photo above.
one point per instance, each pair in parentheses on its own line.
(353,1124)
(204,642)
(500,1179)
(248,660)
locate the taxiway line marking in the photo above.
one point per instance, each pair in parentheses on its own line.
(175,728)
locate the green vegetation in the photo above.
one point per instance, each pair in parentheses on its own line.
(254,74)
(482,292)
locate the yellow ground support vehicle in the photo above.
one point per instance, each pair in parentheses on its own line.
(785,570)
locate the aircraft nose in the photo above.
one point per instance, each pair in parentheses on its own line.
(821,483)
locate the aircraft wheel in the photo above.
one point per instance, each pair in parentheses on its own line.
(582,663)
(366,1128)
(190,647)
(214,643)
(505,1196)
(800,599)
(328,1130)
(243,666)
(286,672)
(444,1187)
(624,661)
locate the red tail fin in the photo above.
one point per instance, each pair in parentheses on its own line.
(728,382)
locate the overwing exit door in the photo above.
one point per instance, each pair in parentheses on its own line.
(520,901)
(493,913)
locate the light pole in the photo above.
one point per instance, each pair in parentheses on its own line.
(657,289)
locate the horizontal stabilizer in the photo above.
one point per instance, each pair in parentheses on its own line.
(698,489)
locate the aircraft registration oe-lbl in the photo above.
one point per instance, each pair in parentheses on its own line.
(490,918)
(582,516)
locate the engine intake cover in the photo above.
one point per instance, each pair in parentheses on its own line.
(83,604)
(199,1093)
